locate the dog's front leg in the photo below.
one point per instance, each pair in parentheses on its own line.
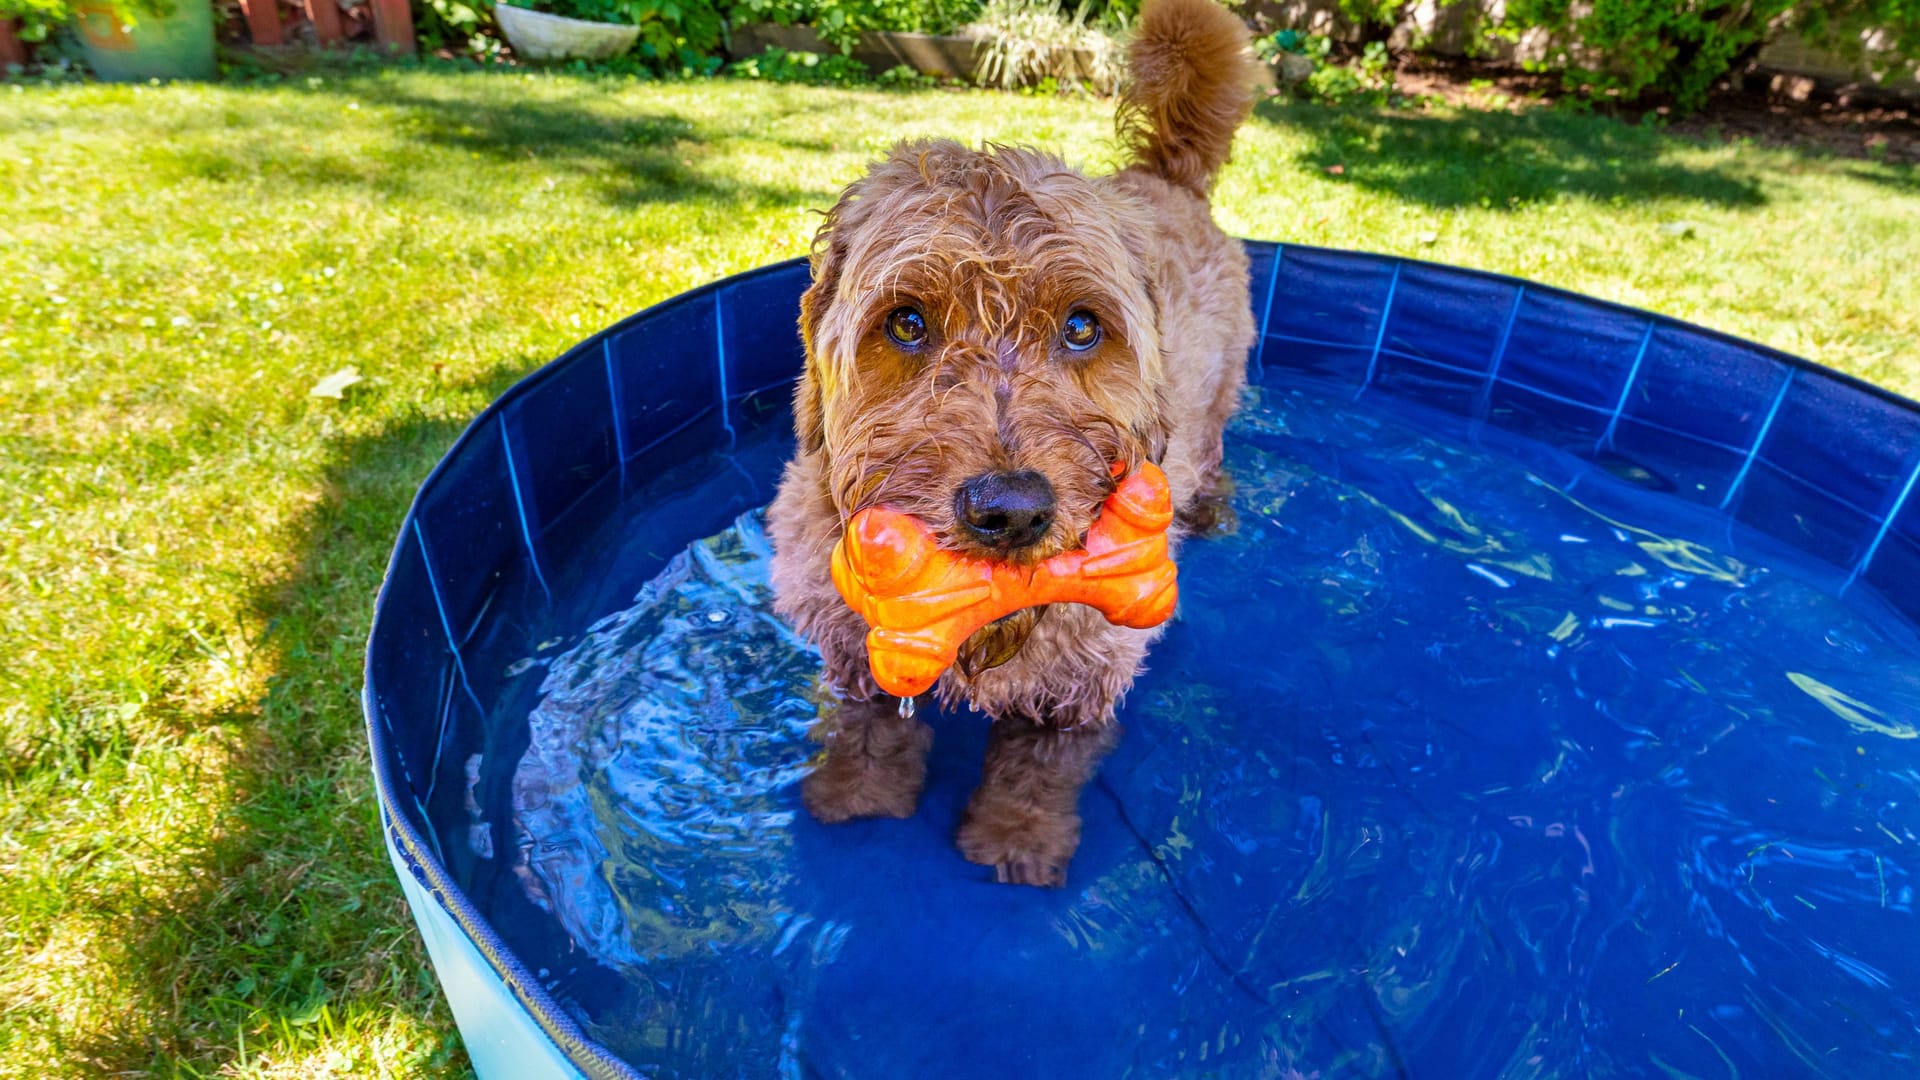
(875,763)
(1024,819)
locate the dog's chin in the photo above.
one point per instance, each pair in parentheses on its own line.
(997,642)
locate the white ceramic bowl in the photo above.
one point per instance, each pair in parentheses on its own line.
(536,35)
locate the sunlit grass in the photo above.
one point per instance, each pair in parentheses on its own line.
(191,878)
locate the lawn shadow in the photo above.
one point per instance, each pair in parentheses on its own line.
(1905,181)
(629,157)
(291,928)
(1496,160)
(639,157)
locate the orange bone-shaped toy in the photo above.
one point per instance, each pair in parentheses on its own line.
(922,601)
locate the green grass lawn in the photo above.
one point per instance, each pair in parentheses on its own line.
(191,877)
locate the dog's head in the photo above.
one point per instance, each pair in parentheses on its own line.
(982,347)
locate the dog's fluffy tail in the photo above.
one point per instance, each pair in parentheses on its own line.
(1192,79)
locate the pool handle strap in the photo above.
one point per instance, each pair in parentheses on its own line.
(921,602)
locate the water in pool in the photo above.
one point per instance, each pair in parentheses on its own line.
(1462,759)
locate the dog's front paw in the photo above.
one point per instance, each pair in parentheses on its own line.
(1024,844)
(874,767)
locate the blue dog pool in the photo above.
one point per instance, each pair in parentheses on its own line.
(1548,711)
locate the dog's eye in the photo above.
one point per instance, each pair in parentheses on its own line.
(1081,331)
(906,326)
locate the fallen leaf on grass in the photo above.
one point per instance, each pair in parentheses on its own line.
(334,385)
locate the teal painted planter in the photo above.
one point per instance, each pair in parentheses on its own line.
(177,45)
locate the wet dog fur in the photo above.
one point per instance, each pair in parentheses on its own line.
(994,248)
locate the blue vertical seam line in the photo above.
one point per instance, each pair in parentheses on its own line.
(1886,523)
(1633,373)
(720,355)
(1754,451)
(520,508)
(1386,312)
(433,586)
(439,743)
(613,406)
(420,802)
(479,617)
(406,774)
(1266,314)
(1499,354)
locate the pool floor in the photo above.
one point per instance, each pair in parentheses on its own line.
(1463,758)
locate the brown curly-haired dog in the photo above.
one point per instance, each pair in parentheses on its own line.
(987,332)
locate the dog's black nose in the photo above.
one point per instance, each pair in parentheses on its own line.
(1009,510)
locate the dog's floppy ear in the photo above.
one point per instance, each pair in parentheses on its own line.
(809,422)
(806,414)
(1157,427)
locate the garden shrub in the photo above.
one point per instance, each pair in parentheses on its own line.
(1366,76)
(1033,43)
(690,35)
(39,19)
(816,69)
(841,22)
(1626,49)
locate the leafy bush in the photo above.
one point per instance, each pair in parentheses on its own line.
(452,24)
(1368,75)
(906,77)
(841,22)
(816,69)
(689,35)
(1624,49)
(673,33)
(1845,26)
(1364,76)
(38,19)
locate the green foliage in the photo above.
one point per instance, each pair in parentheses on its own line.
(809,68)
(1844,26)
(1365,77)
(686,36)
(841,22)
(1372,15)
(1036,44)
(905,77)
(1273,46)
(454,24)
(1624,49)
(673,33)
(39,19)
